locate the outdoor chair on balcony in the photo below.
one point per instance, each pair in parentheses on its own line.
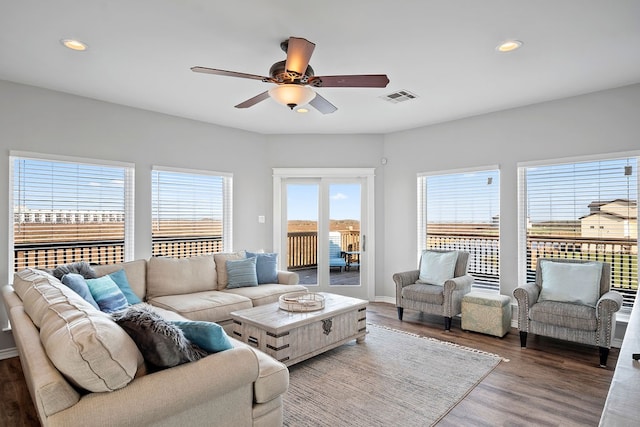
(336,255)
(570,300)
(437,287)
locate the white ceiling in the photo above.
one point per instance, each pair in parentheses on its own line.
(140,54)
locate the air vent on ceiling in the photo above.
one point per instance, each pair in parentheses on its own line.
(399,96)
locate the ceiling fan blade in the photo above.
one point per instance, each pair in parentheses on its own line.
(253,101)
(298,55)
(228,73)
(322,105)
(363,80)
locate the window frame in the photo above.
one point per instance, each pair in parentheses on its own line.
(422,228)
(227,199)
(128,196)
(522,213)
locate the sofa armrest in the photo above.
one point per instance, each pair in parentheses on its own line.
(156,397)
(606,308)
(526,295)
(288,277)
(609,303)
(406,278)
(460,283)
(454,290)
(403,279)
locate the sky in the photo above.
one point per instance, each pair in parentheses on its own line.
(302,201)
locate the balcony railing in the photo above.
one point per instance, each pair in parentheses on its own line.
(302,253)
(49,255)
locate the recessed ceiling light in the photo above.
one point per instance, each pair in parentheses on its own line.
(509,46)
(74,44)
(302,110)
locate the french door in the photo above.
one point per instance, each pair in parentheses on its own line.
(322,228)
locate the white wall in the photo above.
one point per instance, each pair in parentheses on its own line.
(37,120)
(43,121)
(602,122)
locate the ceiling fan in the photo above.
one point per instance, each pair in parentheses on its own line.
(294,76)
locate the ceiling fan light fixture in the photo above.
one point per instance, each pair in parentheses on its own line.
(292,95)
(509,46)
(74,44)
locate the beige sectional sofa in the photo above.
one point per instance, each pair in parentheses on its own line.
(82,369)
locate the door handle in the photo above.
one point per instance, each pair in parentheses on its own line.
(364,243)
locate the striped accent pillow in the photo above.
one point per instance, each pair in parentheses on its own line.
(241,273)
(107,294)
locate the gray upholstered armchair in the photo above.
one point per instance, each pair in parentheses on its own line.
(555,316)
(441,299)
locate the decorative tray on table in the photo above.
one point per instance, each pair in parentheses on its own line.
(301,301)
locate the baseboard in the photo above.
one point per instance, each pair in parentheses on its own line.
(390,300)
(8,353)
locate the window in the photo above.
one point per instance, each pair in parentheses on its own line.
(460,210)
(582,210)
(191,212)
(49,195)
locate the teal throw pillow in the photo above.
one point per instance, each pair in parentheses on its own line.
(241,273)
(107,294)
(77,283)
(266,267)
(208,336)
(120,277)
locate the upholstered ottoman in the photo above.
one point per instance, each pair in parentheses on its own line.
(488,313)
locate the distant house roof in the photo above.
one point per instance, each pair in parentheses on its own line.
(609,215)
(598,203)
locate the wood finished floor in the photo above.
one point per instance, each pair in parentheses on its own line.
(550,383)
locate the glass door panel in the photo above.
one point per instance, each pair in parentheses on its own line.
(302,231)
(344,234)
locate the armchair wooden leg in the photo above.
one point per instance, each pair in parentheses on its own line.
(400,312)
(604,354)
(447,323)
(523,339)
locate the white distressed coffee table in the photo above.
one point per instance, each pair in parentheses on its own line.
(291,337)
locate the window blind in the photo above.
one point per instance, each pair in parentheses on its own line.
(582,210)
(191,212)
(461,211)
(67,210)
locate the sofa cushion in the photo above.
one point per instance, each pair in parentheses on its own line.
(209,336)
(136,274)
(241,273)
(265,294)
(210,306)
(35,290)
(564,315)
(84,344)
(430,294)
(221,266)
(266,267)
(162,343)
(79,285)
(107,294)
(172,276)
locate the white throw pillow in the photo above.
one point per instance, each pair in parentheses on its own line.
(569,282)
(437,267)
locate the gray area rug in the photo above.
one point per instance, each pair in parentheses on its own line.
(392,379)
